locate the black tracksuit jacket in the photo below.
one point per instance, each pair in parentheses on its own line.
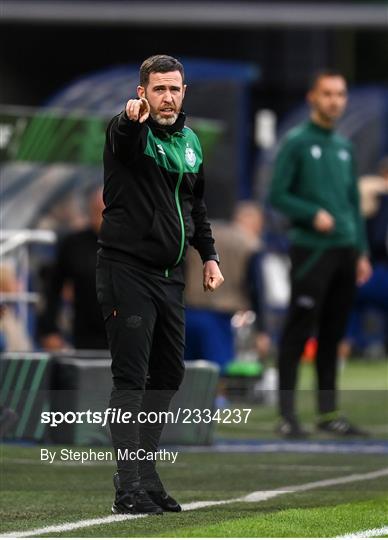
(153,192)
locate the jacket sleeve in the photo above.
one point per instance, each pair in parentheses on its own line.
(281,194)
(202,239)
(125,138)
(362,243)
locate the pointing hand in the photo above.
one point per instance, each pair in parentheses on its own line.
(138,110)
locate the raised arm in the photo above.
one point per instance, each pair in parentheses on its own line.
(125,135)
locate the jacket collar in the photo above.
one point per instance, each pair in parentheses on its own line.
(164,131)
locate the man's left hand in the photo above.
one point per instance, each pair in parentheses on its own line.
(212,277)
(363,270)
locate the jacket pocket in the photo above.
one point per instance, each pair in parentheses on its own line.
(161,244)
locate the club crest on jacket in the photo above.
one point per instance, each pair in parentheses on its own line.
(190,156)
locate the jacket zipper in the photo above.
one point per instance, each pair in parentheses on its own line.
(178,205)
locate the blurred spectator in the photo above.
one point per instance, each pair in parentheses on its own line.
(373,294)
(65,214)
(73,276)
(13,332)
(208,317)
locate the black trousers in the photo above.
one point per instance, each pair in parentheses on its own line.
(322,292)
(144,319)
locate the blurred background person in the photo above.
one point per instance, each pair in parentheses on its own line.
(373,295)
(315,186)
(73,279)
(14,336)
(13,332)
(209,333)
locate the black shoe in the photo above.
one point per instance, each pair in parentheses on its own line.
(133,502)
(341,426)
(291,429)
(165,501)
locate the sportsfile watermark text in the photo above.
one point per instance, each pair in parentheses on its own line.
(113,415)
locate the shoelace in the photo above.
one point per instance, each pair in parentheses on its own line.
(141,496)
(341,425)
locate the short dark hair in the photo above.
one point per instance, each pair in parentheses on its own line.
(321,73)
(159,63)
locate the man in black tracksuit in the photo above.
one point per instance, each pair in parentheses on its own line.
(315,185)
(153,192)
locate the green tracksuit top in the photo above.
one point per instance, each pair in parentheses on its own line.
(315,170)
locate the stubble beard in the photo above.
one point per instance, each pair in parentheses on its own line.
(322,118)
(165,121)
(330,116)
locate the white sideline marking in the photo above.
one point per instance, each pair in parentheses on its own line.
(255,496)
(370,533)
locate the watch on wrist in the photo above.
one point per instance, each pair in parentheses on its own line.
(213,258)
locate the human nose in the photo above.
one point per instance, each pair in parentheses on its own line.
(167,97)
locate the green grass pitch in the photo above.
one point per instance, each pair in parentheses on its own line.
(35,495)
